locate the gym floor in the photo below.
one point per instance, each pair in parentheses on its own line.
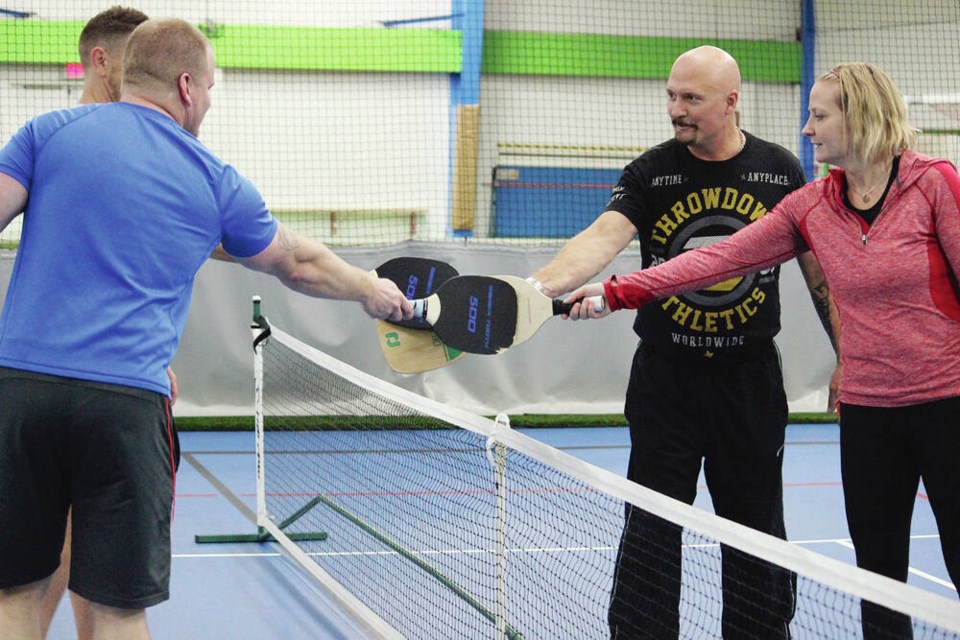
(250,590)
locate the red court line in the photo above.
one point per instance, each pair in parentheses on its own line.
(810,484)
(551,185)
(920,496)
(791,485)
(389,494)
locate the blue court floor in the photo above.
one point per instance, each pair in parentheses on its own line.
(241,591)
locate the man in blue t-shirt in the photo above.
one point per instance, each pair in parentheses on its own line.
(122,205)
(101,47)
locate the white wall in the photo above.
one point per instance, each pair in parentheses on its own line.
(335,140)
(276,12)
(751,19)
(567,367)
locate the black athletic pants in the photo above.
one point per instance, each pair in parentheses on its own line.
(884,453)
(731,418)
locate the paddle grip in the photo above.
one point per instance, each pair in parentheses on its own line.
(560,307)
(419,309)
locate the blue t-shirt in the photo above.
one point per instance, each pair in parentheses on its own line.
(124,207)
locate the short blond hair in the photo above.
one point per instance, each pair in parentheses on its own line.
(159,51)
(874,109)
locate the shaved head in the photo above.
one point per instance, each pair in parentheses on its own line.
(703,91)
(712,66)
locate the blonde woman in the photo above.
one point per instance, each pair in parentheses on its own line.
(885,227)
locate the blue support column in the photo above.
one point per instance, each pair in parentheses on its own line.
(468,19)
(808,41)
(464,115)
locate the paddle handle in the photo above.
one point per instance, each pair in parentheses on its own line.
(426,311)
(560,307)
(419,309)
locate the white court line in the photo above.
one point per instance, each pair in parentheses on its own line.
(432,552)
(844,542)
(226,555)
(920,574)
(932,578)
(440,552)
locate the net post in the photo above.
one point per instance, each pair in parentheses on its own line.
(256,329)
(260,331)
(500,475)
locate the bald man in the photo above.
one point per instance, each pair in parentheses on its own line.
(706,386)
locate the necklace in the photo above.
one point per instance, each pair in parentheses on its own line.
(743,141)
(865,195)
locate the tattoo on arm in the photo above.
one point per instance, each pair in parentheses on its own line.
(820,294)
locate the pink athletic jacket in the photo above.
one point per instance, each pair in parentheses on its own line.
(894,283)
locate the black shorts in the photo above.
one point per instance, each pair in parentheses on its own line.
(109,452)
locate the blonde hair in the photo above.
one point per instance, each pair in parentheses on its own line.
(874,110)
(159,51)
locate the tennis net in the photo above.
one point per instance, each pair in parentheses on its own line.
(429,522)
